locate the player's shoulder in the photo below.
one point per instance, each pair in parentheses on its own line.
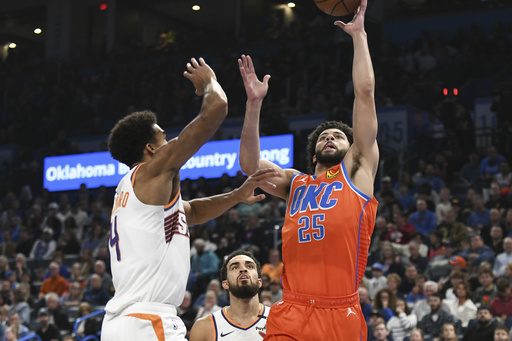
(202,330)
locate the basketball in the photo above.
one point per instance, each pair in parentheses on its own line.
(338,8)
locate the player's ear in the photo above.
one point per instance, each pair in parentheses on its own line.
(314,159)
(225,285)
(150,148)
(260,282)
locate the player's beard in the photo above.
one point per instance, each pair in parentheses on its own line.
(330,158)
(244,291)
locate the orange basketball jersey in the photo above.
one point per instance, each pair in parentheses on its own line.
(326,234)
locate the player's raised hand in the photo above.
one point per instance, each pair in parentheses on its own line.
(200,74)
(357,23)
(255,89)
(262,177)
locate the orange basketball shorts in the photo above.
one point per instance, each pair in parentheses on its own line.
(307,318)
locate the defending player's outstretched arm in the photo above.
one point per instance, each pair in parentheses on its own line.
(201,210)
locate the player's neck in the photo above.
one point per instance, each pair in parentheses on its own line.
(321,168)
(243,310)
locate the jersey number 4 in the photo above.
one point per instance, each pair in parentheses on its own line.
(311,228)
(114,238)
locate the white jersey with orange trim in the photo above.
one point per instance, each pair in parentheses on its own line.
(149,250)
(225,329)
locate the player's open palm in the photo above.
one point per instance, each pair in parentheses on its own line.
(255,89)
(357,23)
(200,74)
(258,179)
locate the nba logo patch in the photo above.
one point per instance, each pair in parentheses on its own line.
(174,325)
(332,173)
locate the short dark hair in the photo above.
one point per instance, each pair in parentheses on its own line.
(502,285)
(313,138)
(130,135)
(224,269)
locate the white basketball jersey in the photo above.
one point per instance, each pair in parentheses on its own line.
(225,329)
(149,250)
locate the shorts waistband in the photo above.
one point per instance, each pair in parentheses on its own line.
(321,301)
(152,308)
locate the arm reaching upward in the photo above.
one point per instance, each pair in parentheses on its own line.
(363,154)
(250,138)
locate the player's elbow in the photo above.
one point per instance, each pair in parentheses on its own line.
(365,89)
(249,167)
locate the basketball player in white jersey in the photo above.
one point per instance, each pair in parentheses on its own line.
(245,318)
(149,236)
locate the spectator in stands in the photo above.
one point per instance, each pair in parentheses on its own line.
(402,323)
(44,247)
(96,296)
(274,267)
(222,297)
(276,290)
(47,331)
(424,221)
(423,307)
(501,306)
(377,282)
(444,204)
(415,258)
(58,315)
(55,283)
(487,291)
(106,279)
(94,238)
(204,266)
(68,244)
(73,297)
(380,332)
(25,242)
(490,165)
(391,262)
(496,200)
(393,281)
(504,177)
(463,308)
(210,305)
(484,328)
(439,267)
(448,332)
(75,275)
(19,327)
(20,306)
(432,322)
(435,182)
(186,311)
(364,302)
(478,252)
(90,326)
(20,267)
(470,171)
(405,199)
(86,263)
(416,335)
(79,217)
(501,333)
(58,258)
(497,239)
(11,334)
(409,280)
(452,229)
(385,302)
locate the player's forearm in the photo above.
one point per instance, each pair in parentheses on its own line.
(208,208)
(249,155)
(365,117)
(215,104)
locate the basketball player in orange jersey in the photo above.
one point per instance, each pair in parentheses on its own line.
(330,214)
(149,235)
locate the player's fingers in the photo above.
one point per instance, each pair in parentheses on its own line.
(250,64)
(340,23)
(190,68)
(266,78)
(201,61)
(194,62)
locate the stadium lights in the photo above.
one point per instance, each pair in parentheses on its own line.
(38,31)
(196,7)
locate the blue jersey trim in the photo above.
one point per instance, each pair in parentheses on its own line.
(358,243)
(215,330)
(354,188)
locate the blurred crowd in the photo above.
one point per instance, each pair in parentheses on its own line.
(441,251)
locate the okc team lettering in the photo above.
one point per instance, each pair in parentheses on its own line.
(314,197)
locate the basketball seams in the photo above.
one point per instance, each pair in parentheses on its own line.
(333,8)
